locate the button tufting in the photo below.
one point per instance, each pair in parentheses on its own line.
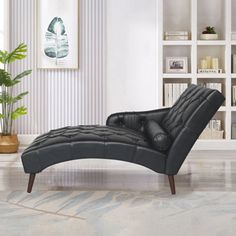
(87,133)
(178,115)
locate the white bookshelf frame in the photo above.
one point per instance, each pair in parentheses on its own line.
(194,43)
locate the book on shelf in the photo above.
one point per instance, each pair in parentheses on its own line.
(213,130)
(176,37)
(176,33)
(234,95)
(234,63)
(214,125)
(217,86)
(210,71)
(234,131)
(233,35)
(172,92)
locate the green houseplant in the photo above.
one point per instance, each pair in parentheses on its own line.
(209,33)
(8,141)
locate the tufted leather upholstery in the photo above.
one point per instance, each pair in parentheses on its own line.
(136,120)
(159,139)
(179,115)
(124,139)
(85,133)
(77,142)
(186,120)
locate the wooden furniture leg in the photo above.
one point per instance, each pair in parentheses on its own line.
(172,183)
(31,182)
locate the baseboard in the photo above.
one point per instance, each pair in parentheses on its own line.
(26,139)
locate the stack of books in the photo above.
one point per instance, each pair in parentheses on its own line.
(234,95)
(214,125)
(172,91)
(210,71)
(176,35)
(217,86)
(213,130)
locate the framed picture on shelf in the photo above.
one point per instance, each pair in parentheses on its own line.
(176,65)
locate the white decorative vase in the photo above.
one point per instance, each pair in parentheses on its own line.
(209,36)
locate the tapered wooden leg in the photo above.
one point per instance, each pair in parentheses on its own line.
(31,182)
(172,183)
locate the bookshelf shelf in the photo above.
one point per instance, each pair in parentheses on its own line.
(211,75)
(179,76)
(211,42)
(176,42)
(193,16)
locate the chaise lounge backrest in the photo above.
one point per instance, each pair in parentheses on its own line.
(186,120)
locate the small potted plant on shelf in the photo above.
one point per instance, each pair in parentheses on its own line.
(8,140)
(209,34)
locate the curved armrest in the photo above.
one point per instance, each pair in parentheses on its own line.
(135,120)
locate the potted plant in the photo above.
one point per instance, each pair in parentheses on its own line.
(8,140)
(209,34)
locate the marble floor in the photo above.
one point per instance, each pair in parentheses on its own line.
(101,197)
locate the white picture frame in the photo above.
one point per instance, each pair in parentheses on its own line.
(58,34)
(176,65)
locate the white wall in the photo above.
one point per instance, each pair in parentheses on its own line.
(61,97)
(1,24)
(131,55)
(70,97)
(4,21)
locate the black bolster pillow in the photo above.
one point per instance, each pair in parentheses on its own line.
(158,138)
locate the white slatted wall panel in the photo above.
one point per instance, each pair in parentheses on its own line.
(61,97)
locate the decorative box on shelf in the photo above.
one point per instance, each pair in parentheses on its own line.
(212,134)
(213,130)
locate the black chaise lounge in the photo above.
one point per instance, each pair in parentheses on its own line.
(159,140)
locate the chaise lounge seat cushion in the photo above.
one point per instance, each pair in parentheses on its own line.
(79,142)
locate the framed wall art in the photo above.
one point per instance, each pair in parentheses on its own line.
(58,30)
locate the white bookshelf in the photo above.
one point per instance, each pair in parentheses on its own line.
(193,16)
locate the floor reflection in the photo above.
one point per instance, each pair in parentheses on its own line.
(203,170)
